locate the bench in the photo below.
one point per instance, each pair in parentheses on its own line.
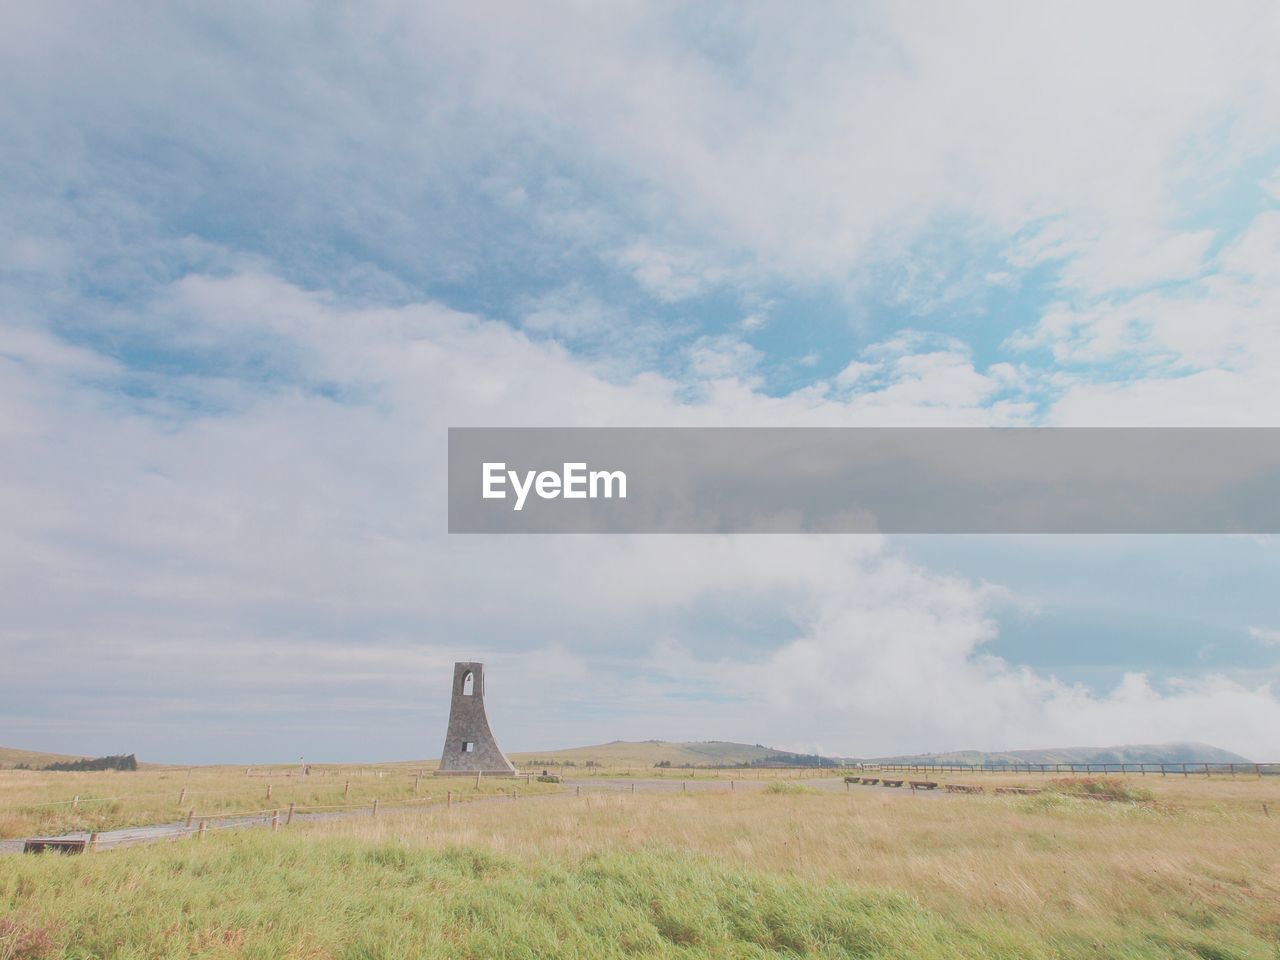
(892,783)
(1026,791)
(870,781)
(962,788)
(58,844)
(924,785)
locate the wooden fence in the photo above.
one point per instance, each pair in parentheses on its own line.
(1142,769)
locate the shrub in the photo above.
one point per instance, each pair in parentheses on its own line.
(123,761)
(1101,788)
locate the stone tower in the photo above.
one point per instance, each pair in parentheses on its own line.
(469,747)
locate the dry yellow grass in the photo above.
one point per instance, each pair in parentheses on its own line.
(1201,857)
(1013,853)
(40,802)
(796,868)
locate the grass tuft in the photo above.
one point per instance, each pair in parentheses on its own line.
(788,788)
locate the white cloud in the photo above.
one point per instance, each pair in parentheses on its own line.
(669,275)
(289,551)
(1199,354)
(1265,635)
(809,142)
(267,508)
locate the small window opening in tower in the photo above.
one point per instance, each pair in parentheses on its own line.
(468,684)
(468,746)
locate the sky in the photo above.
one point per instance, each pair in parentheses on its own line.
(256,259)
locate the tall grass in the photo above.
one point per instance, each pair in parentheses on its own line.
(870,873)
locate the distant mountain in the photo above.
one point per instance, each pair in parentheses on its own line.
(1126,753)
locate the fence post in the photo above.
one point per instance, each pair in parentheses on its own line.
(275,820)
(633,788)
(731,786)
(204,825)
(182,796)
(346,789)
(75,802)
(268,791)
(292,804)
(577,791)
(448,799)
(478,772)
(375,806)
(93,842)
(191,815)
(415,782)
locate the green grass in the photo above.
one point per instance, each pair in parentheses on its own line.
(265,896)
(271,896)
(794,871)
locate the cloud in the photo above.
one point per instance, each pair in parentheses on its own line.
(1197,354)
(1264,635)
(545,135)
(286,554)
(262,259)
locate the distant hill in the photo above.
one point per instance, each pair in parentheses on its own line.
(10,757)
(648,753)
(1126,753)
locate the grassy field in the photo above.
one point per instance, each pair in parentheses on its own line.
(795,869)
(38,802)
